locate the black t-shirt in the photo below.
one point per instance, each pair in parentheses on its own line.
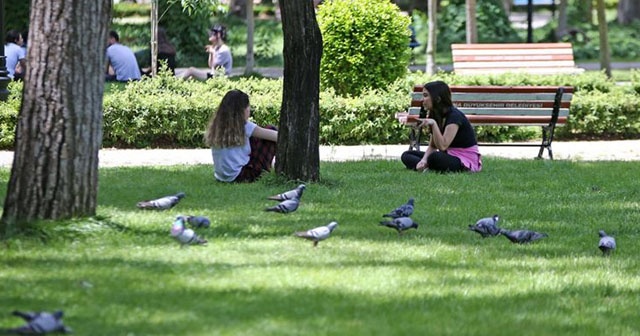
(466,136)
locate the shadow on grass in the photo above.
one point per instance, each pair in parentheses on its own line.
(114,296)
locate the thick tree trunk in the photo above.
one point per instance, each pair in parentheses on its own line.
(59,131)
(298,154)
(628,10)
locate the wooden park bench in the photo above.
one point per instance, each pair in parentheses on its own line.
(498,58)
(545,106)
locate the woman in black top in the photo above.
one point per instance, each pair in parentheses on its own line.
(453,146)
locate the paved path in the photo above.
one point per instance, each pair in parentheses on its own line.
(623,150)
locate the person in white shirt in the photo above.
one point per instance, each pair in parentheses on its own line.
(241,150)
(15,54)
(220,59)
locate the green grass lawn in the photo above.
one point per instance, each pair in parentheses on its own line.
(122,274)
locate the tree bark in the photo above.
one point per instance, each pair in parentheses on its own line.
(628,10)
(298,153)
(605,54)
(431,40)
(472,26)
(248,69)
(59,130)
(562,20)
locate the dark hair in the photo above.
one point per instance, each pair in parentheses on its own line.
(114,35)
(440,99)
(220,30)
(164,45)
(12,36)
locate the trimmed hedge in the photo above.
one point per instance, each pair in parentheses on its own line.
(168,112)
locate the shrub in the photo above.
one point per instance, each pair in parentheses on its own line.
(168,112)
(365,45)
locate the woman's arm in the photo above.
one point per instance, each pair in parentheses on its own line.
(265,133)
(442,141)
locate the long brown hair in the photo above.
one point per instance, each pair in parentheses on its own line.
(440,100)
(226,126)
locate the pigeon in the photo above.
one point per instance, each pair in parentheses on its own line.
(404,210)
(606,243)
(162,203)
(318,234)
(291,194)
(401,224)
(522,236)
(198,221)
(185,235)
(285,206)
(40,323)
(487,227)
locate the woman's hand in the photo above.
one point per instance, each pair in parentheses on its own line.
(427,122)
(422,165)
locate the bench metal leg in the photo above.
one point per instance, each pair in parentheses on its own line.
(415,136)
(547,138)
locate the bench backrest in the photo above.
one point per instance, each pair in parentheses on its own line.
(512,105)
(496,58)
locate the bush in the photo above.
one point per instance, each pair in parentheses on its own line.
(168,112)
(365,45)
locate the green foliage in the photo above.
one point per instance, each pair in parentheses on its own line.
(613,114)
(16,16)
(635,80)
(624,42)
(168,112)
(365,45)
(493,23)
(127,9)
(187,31)
(121,273)
(9,115)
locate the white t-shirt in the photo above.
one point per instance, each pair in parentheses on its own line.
(223,59)
(228,162)
(13,53)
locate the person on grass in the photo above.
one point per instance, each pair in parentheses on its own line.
(219,56)
(15,55)
(241,150)
(122,65)
(453,146)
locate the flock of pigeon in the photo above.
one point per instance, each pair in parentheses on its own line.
(488,227)
(400,220)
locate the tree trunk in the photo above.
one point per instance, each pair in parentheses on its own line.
(431,40)
(59,130)
(628,10)
(298,154)
(605,55)
(472,26)
(562,20)
(250,30)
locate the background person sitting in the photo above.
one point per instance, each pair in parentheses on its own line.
(166,54)
(122,65)
(219,56)
(15,55)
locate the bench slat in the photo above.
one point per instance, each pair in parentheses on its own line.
(462,46)
(499,120)
(499,58)
(414,111)
(503,89)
